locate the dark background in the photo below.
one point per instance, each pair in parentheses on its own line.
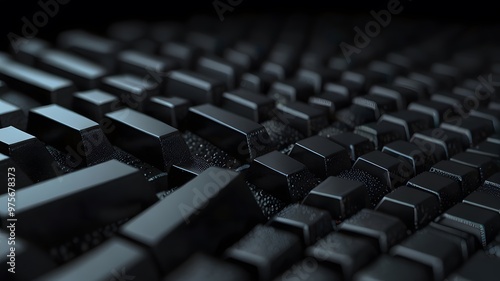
(96,15)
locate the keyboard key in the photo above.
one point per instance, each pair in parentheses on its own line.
(466,176)
(196,88)
(381,134)
(94,104)
(375,188)
(259,82)
(391,171)
(248,104)
(484,197)
(385,230)
(170,110)
(330,102)
(309,270)
(321,156)
(349,253)
(266,250)
(308,223)
(42,86)
(493,181)
(378,104)
(84,195)
(220,70)
(355,115)
(487,148)
(151,68)
(147,138)
(410,153)
(132,90)
(81,139)
(184,54)
(342,198)
(483,164)
(440,143)
(414,207)
(463,240)
(317,76)
(122,260)
(406,84)
(280,175)
(11,115)
(411,122)
(488,114)
(436,110)
(482,223)
(402,96)
(474,129)
(480,267)
(290,90)
(28,52)
(306,119)
(241,60)
(389,268)
(356,145)
(447,190)
(85,74)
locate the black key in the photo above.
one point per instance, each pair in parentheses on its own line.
(434,251)
(431,82)
(414,207)
(317,77)
(308,223)
(495,138)
(242,138)
(94,104)
(493,181)
(447,190)
(330,102)
(122,260)
(147,138)
(220,70)
(385,230)
(29,153)
(196,88)
(480,267)
(356,145)
(150,67)
(434,109)
(466,176)
(203,267)
(291,90)
(180,174)
(381,134)
(19,99)
(355,115)
(28,52)
(391,171)
(406,84)
(486,198)
(259,82)
(321,156)
(453,100)
(11,115)
(401,96)
(209,43)
(349,253)
(487,148)
(474,129)
(451,74)
(465,241)
(78,194)
(341,197)
(128,31)
(95,48)
(358,82)
(266,251)
(183,54)
(376,188)
(242,60)
(166,31)
(488,114)
(338,89)
(248,104)
(218,195)
(171,110)
(280,175)
(483,164)
(482,223)
(412,122)
(440,143)
(388,70)
(309,270)
(85,74)
(132,90)
(280,71)
(42,86)
(21,178)
(389,268)
(80,138)
(410,153)
(378,104)
(306,119)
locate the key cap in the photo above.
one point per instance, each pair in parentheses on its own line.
(309,270)
(447,190)
(218,195)
(259,82)
(80,139)
(166,31)
(388,70)
(414,207)
(436,110)
(90,46)
(474,129)
(358,82)
(378,104)
(453,100)
(21,100)
(201,266)
(171,110)
(453,74)
(184,54)
(401,96)
(342,198)
(240,137)
(480,267)
(391,171)
(317,76)
(355,115)
(389,268)
(376,188)
(381,134)
(94,104)
(487,148)
(385,230)
(321,156)
(349,253)
(266,251)
(356,145)
(306,119)
(439,142)
(220,70)
(483,164)
(240,59)
(116,258)
(463,240)
(196,88)
(209,43)
(11,115)
(308,223)
(290,90)
(493,181)
(248,104)
(29,153)
(484,197)
(466,176)
(410,153)
(331,102)
(85,74)
(88,198)
(431,83)
(482,223)
(431,250)
(411,122)
(28,52)
(42,86)
(488,114)
(280,175)
(131,90)
(147,138)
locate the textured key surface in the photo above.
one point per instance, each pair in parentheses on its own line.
(447,190)
(393,269)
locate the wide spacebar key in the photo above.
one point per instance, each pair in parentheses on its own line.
(241,137)
(208,213)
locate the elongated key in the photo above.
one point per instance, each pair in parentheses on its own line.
(147,138)
(184,54)
(42,86)
(194,87)
(248,104)
(11,115)
(81,138)
(171,110)
(474,129)
(217,195)
(132,90)
(220,70)
(88,197)
(242,138)
(94,104)
(150,67)
(390,268)
(305,118)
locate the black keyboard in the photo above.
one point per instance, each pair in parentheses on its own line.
(252,147)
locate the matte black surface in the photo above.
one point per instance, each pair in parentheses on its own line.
(248,104)
(447,190)
(389,268)
(133,91)
(356,145)
(194,87)
(480,267)
(171,110)
(466,176)
(94,104)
